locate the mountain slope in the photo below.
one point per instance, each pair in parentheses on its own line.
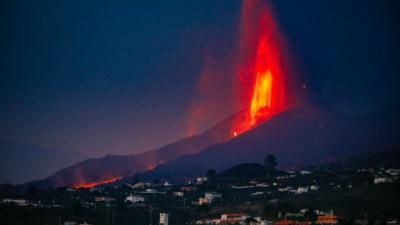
(113,166)
(298,137)
(20,162)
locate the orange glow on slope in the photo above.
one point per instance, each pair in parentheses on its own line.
(263,74)
(94,184)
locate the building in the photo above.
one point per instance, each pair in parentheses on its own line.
(208,221)
(210,196)
(164,217)
(314,187)
(327,219)
(303,223)
(201,180)
(301,190)
(305,172)
(104,199)
(234,217)
(393,172)
(140,185)
(202,201)
(378,180)
(151,190)
(134,198)
(18,202)
(292,222)
(178,194)
(167,184)
(392,222)
(285,189)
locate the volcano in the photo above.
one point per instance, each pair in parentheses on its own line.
(264,93)
(299,137)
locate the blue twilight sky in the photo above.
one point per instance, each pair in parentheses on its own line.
(119,76)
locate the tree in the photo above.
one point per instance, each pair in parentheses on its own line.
(211,173)
(270,162)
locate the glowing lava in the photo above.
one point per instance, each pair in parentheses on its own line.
(263,73)
(94,184)
(261,96)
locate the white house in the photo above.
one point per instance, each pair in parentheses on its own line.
(19,202)
(314,187)
(208,221)
(151,190)
(234,217)
(285,189)
(210,196)
(201,180)
(167,184)
(134,198)
(164,217)
(305,172)
(378,180)
(393,172)
(301,190)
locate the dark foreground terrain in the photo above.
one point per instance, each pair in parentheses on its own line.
(351,190)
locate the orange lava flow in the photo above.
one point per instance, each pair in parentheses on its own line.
(263,81)
(94,184)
